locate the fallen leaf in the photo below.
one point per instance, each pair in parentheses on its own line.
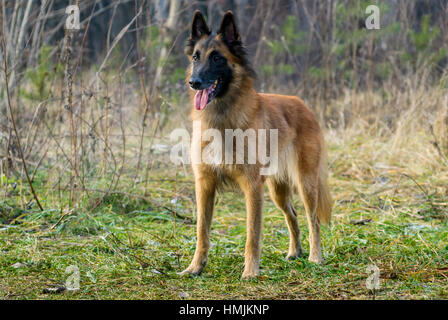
(54,288)
(360,222)
(18,265)
(183,295)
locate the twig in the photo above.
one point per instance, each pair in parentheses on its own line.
(143,262)
(428,199)
(147,102)
(114,43)
(436,145)
(5,70)
(64,214)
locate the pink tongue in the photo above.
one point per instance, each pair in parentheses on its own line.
(201,99)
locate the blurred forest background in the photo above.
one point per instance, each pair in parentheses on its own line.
(113,86)
(85,115)
(98,102)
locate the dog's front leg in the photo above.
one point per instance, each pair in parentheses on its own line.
(253,193)
(205,198)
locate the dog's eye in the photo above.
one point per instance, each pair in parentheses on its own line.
(196,57)
(217,58)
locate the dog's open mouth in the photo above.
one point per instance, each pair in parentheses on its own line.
(204,97)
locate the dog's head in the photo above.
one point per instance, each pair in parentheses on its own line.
(218,61)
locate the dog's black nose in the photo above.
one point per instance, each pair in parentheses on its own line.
(195,83)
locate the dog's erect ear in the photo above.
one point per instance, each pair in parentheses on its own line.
(228,29)
(198,26)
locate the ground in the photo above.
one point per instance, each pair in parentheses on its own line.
(131,245)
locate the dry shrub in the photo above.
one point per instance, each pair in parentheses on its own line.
(441,127)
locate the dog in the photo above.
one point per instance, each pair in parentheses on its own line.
(223,97)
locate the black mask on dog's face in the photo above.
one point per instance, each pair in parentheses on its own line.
(211,73)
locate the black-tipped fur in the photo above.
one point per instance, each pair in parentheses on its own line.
(232,38)
(199,28)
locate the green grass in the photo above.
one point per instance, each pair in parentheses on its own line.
(129,248)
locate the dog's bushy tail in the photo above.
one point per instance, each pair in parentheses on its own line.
(324,203)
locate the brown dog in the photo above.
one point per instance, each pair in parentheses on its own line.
(224,98)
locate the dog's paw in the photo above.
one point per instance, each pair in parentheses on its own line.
(294,256)
(191,271)
(315,258)
(250,274)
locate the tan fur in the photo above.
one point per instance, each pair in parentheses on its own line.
(302,165)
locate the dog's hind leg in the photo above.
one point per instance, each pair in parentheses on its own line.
(280,194)
(308,190)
